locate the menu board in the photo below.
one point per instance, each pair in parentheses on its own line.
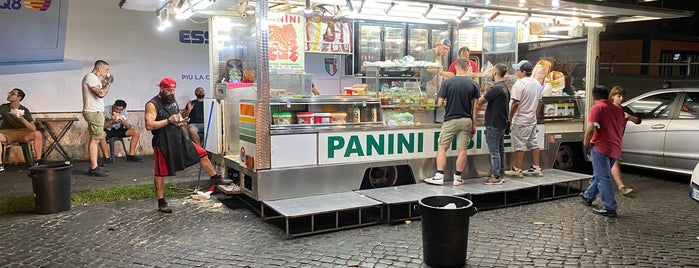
(286,34)
(472,37)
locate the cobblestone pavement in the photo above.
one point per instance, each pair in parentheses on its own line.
(657,227)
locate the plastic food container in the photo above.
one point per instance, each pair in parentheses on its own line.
(305,118)
(338,118)
(282,118)
(321,118)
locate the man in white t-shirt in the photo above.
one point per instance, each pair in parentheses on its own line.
(95,86)
(526,101)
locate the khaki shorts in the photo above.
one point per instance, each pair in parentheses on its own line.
(13,135)
(524,136)
(462,126)
(95,124)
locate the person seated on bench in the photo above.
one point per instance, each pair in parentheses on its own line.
(18,125)
(117,124)
(195,112)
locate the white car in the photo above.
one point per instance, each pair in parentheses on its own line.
(694,184)
(666,139)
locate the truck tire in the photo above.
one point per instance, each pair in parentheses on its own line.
(567,158)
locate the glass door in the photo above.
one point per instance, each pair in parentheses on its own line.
(394,42)
(369,41)
(418,41)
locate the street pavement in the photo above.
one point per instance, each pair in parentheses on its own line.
(658,226)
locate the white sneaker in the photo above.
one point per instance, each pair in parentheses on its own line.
(457,181)
(438,179)
(2,167)
(532,171)
(514,172)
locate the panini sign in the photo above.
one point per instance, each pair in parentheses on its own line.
(343,147)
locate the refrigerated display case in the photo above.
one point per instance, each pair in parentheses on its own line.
(378,42)
(422,38)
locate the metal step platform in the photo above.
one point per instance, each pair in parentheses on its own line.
(322,213)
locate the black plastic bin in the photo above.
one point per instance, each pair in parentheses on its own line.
(51,185)
(445,230)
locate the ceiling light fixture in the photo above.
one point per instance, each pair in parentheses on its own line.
(461,16)
(361,5)
(308,9)
(429,8)
(349,6)
(242,9)
(529,15)
(388,8)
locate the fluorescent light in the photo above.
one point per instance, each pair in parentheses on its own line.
(183,15)
(593,24)
(394,18)
(203,4)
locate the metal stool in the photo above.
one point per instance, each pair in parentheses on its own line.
(25,150)
(111,142)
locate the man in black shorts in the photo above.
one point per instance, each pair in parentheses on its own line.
(118,124)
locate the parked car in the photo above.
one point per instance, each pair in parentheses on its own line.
(666,139)
(694,184)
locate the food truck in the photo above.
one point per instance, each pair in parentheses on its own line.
(302,157)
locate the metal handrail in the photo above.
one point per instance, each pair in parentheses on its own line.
(610,65)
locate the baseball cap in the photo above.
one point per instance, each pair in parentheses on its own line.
(523,65)
(444,41)
(167,82)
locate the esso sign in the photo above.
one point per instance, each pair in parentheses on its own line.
(194,37)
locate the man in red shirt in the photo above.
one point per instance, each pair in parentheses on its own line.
(465,53)
(603,134)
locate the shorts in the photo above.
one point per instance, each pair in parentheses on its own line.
(95,124)
(462,126)
(116,133)
(524,137)
(199,126)
(161,169)
(18,134)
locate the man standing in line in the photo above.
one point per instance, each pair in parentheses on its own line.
(460,94)
(117,124)
(18,125)
(95,86)
(465,53)
(603,134)
(498,98)
(195,112)
(172,149)
(430,78)
(526,102)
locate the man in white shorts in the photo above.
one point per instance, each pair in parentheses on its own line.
(526,101)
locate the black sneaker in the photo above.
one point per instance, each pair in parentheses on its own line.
(605,212)
(97,172)
(133,158)
(218,180)
(586,201)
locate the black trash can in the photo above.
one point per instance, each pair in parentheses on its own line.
(51,185)
(445,230)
